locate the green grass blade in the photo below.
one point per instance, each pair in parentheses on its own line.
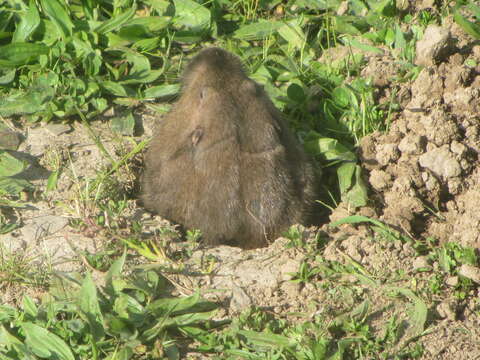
(469,27)
(475,9)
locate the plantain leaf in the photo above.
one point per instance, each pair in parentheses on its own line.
(10,165)
(258,30)
(116,22)
(17,54)
(28,23)
(191,15)
(57,12)
(162,91)
(90,307)
(45,344)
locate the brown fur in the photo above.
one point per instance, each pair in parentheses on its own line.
(224,161)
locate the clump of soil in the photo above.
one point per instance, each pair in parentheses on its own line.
(425,170)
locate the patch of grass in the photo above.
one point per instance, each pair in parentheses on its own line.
(129,317)
(19,269)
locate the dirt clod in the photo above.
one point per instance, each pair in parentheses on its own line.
(434,45)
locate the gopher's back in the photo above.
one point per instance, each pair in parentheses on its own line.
(224,161)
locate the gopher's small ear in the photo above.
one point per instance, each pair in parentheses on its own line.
(251,87)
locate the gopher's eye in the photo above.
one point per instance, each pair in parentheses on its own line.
(203,93)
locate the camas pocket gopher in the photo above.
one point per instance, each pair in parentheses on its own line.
(224,161)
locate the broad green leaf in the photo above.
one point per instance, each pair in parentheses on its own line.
(17,54)
(267,339)
(123,125)
(5,228)
(361,46)
(52,181)
(56,11)
(469,27)
(129,308)
(389,37)
(352,187)
(400,42)
(141,71)
(116,22)
(152,23)
(188,37)
(357,219)
(8,77)
(45,344)
(296,93)
(113,274)
(82,47)
(175,306)
(90,307)
(162,91)
(293,34)
(7,339)
(330,149)
(342,96)
(418,317)
(29,21)
(344,25)
(10,165)
(318,4)
(115,88)
(12,186)
(345,173)
(258,30)
(26,103)
(147,45)
(191,15)
(190,319)
(385,7)
(29,306)
(172,352)
(161,6)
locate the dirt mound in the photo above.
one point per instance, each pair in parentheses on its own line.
(425,170)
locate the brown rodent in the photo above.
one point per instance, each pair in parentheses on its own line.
(224,161)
